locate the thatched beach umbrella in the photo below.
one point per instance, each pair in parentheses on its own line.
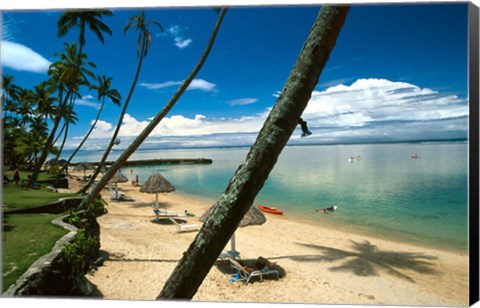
(253,217)
(118,178)
(83,166)
(156,184)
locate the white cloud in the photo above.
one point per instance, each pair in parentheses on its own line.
(22,58)
(369,101)
(203,85)
(182,43)
(102,130)
(155,86)
(86,101)
(367,110)
(242,101)
(196,84)
(178,125)
(176,32)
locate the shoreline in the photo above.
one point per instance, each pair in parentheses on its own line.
(322,266)
(348,229)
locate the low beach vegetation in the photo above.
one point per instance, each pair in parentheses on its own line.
(76,253)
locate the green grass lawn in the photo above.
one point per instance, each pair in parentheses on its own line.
(26,237)
(16,198)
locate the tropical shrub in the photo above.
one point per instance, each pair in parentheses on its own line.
(98,206)
(80,250)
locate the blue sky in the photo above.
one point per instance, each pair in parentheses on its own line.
(398,72)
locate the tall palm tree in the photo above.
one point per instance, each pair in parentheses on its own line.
(82,19)
(39,126)
(155,121)
(143,44)
(9,107)
(66,111)
(10,90)
(251,175)
(104,91)
(144,38)
(70,117)
(43,97)
(25,107)
(67,74)
(12,131)
(16,117)
(74,67)
(28,145)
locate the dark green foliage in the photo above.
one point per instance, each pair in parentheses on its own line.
(80,250)
(73,218)
(98,206)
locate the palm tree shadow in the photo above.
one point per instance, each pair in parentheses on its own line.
(365,259)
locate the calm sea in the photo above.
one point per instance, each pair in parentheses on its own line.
(382,192)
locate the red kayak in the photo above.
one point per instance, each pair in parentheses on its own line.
(270,210)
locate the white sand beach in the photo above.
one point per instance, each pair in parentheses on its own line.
(320,265)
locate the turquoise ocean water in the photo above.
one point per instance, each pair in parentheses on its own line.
(384,193)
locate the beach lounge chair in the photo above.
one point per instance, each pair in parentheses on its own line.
(119,196)
(159,213)
(179,228)
(246,275)
(115,194)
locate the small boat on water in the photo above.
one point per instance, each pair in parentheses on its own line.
(270,210)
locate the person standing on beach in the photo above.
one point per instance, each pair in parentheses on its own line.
(16,178)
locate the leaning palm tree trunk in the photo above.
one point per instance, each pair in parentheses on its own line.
(251,175)
(60,133)
(151,126)
(86,136)
(117,128)
(66,127)
(65,135)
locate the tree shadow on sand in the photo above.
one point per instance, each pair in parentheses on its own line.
(120,257)
(365,259)
(168,221)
